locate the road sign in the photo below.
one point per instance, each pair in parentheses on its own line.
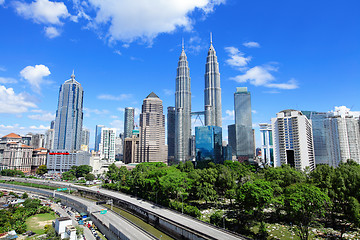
(61,189)
(103,211)
(100,202)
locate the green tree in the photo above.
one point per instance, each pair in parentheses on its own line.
(68,176)
(25,195)
(90,177)
(42,169)
(82,170)
(254,196)
(303,204)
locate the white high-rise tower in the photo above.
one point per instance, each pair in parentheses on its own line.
(69,116)
(212,89)
(182,110)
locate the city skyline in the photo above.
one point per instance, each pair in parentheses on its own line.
(315,50)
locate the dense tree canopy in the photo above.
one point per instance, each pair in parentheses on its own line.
(326,196)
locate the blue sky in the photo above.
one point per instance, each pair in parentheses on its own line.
(290,54)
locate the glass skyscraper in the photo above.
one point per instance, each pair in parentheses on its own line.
(243,124)
(129,122)
(98,136)
(69,116)
(212,91)
(171,134)
(182,110)
(208,140)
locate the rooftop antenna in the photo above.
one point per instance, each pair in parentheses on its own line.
(182,44)
(210,37)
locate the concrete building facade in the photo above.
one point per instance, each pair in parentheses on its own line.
(152,131)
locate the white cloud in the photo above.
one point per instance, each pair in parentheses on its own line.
(46,116)
(4,80)
(118,52)
(114,117)
(257,76)
(10,102)
(35,75)
(119,125)
(254,111)
(230,115)
(262,76)
(121,109)
(120,97)
(40,127)
(237,58)
(43,11)
(291,84)
(168,92)
(51,32)
(129,20)
(88,111)
(3,69)
(2,2)
(251,44)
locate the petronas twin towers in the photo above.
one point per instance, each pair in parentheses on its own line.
(212,101)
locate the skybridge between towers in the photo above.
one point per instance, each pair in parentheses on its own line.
(198,116)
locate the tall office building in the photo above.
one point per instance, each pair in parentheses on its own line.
(209,144)
(107,144)
(128,121)
(232,138)
(49,139)
(321,136)
(293,140)
(171,134)
(182,110)
(131,148)
(98,136)
(212,95)
(85,139)
(243,125)
(69,116)
(152,131)
(267,145)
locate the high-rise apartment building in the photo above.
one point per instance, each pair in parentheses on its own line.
(98,136)
(336,136)
(243,124)
(69,116)
(344,136)
(212,96)
(182,110)
(152,131)
(171,134)
(267,144)
(129,117)
(293,141)
(107,144)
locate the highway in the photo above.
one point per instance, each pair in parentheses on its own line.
(110,219)
(193,224)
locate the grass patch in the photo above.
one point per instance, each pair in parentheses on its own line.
(37,222)
(29,184)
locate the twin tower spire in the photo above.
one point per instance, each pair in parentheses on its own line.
(212,101)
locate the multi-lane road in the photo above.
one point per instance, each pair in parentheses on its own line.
(185,221)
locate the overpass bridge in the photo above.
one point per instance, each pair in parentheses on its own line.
(171,222)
